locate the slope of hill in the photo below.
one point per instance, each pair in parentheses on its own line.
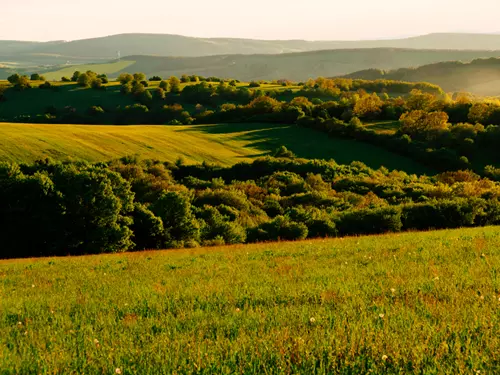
(407,303)
(177,45)
(481,76)
(295,66)
(223,144)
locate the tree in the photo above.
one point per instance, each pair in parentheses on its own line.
(75,76)
(125,78)
(178,220)
(423,125)
(65,79)
(84,80)
(13,79)
(175,85)
(37,77)
(19,82)
(155,79)
(139,77)
(418,100)
(481,112)
(164,85)
(185,78)
(283,152)
(368,106)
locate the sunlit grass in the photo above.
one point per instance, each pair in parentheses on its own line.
(423,303)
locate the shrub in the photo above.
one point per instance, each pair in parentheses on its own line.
(280,228)
(370,221)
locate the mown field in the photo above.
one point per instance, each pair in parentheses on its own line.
(422,303)
(224,143)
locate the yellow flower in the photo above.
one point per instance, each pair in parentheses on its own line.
(381,316)
(393,290)
(385,358)
(312,320)
(96,341)
(118,371)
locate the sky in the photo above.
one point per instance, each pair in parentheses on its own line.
(44,20)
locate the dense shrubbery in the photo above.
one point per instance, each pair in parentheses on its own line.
(78,208)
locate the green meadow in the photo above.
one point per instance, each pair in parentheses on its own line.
(414,303)
(225,144)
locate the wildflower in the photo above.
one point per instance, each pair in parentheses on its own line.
(381,316)
(32,285)
(238,309)
(385,358)
(481,298)
(19,323)
(436,278)
(483,255)
(96,341)
(118,371)
(312,320)
(393,290)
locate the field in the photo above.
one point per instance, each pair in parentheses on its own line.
(225,144)
(425,303)
(109,69)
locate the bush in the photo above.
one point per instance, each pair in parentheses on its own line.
(455,213)
(368,221)
(280,228)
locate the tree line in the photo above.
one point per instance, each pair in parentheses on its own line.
(49,208)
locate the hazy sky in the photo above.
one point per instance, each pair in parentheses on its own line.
(263,19)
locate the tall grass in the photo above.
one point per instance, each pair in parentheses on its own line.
(423,303)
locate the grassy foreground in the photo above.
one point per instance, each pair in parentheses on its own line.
(424,303)
(225,144)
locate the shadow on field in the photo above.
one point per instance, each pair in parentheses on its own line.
(310,144)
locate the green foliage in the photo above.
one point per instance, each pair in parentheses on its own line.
(179,223)
(37,77)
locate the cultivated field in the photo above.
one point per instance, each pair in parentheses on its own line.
(423,303)
(225,144)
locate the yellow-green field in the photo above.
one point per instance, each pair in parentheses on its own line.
(225,144)
(108,68)
(421,303)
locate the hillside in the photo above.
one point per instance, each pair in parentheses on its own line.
(381,305)
(222,144)
(294,66)
(480,76)
(177,45)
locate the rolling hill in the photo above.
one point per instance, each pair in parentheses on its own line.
(422,303)
(224,144)
(177,45)
(481,76)
(294,66)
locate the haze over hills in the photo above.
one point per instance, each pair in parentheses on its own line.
(294,66)
(177,45)
(481,76)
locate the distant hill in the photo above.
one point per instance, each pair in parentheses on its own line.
(481,76)
(176,45)
(294,66)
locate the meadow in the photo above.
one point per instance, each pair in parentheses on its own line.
(421,303)
(225,144)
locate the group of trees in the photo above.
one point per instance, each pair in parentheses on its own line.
(435,129)
(49,208)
